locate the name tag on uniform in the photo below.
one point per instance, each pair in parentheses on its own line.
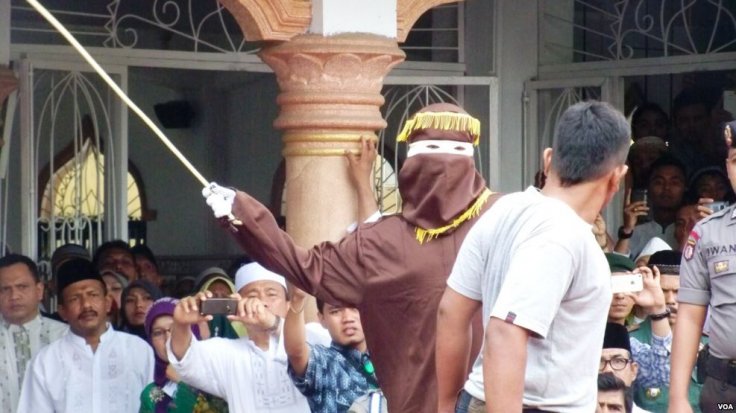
(720,266)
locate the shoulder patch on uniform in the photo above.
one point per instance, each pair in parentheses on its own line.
(689,249)
(688,252)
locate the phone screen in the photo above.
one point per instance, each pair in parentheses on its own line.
(213,306)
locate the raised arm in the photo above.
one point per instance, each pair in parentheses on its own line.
(295,337)
(333,271)
(632,212)
(360,168)
(453,346)
(186,314)
(653,358)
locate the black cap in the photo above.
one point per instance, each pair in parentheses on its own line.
(142,249)
(75,270)
(617,336)
(668,262)
(67,252)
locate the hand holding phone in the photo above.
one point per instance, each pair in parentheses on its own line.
(626,283)
(212,306)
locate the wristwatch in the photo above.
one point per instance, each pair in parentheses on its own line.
(660,316)
(622,234)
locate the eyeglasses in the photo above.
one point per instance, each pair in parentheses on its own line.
(617,363)
(160,333)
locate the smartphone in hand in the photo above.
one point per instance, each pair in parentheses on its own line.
(212,306)
(628,283)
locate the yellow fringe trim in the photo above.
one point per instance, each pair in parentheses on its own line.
(449,121)
(474,210)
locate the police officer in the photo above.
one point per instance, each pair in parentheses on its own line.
(708,277)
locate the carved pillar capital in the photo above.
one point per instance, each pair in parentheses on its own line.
(330,89)
(270,19)
(330,97)
(408,11)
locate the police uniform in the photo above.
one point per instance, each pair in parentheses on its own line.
(708,277)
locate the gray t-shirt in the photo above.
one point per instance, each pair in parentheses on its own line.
(708,277)
(534,262)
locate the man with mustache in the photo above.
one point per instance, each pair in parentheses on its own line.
(93,368)
(23,330)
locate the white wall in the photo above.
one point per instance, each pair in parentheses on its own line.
(330,17)
(170,189)
(231,142)
(515,62)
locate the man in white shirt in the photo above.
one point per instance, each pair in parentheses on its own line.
(667,185)
(543,282)
(93,368)
(23,331)
(249,372)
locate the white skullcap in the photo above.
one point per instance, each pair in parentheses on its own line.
(655,244)
(253,272)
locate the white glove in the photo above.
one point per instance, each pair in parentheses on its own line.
(220,199)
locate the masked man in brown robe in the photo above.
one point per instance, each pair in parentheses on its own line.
(393,270)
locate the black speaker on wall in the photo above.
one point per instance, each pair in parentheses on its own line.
(177,114)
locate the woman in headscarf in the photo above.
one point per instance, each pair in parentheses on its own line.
(167,394)
(136,299)
(115,283)
(216,281)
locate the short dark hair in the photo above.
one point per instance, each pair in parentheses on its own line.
(665,161)
(60,294)
(117,244)
(12,259)
(608,382)
(690,97)
(644,108)
(320,306)
(143,250)
(591,138)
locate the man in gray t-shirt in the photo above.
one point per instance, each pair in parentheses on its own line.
(544,284)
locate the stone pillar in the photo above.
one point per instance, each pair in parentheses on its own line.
(330,97)
(330,94)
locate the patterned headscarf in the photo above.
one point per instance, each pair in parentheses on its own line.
(161,307)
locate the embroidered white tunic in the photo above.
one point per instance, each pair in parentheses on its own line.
(251,380)
(41,331)
(67,376)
